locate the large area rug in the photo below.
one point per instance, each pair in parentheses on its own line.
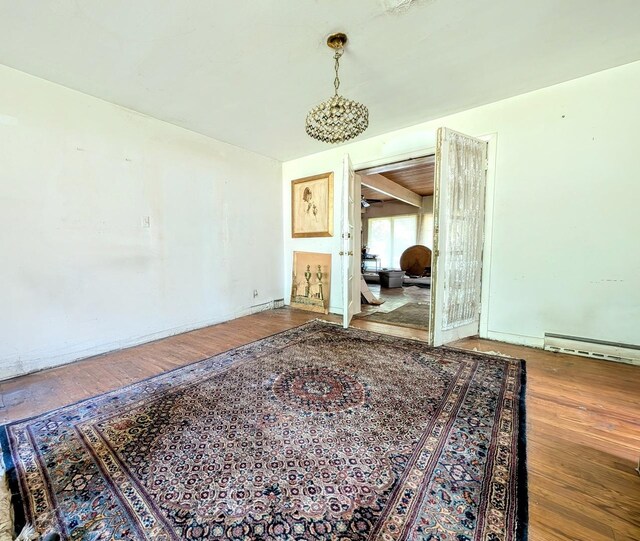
(315,433)
(412,314)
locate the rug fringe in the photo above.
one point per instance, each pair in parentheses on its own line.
(320,320)
(28,533)
(6,516)
(494,353)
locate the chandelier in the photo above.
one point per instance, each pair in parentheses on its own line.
(338,119)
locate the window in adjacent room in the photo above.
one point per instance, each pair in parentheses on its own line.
(389,237)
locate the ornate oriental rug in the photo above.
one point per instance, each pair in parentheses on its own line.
(315,433)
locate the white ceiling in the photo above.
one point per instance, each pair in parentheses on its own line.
(247,71)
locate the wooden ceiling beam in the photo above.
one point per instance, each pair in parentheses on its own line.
(388,187)
(398,166)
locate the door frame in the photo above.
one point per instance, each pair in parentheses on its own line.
(492,140)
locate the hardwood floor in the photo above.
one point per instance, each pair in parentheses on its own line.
(583,444)
(583,417)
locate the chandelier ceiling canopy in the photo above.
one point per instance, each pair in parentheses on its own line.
(338,119)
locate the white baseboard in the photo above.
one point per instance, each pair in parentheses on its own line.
(336,310)
(44,360)
(518,339)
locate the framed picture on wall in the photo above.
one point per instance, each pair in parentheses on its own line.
(312,206)
(311,281)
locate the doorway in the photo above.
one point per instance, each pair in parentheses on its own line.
(453,263)
(396,209)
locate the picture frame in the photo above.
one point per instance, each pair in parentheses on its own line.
(312,206)
(311,281)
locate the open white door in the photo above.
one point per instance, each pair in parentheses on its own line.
(459,203)
(350,285)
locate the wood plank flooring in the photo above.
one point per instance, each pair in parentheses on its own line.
(583,417)
(583,443)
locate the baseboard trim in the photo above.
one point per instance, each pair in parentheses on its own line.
(518,339)
(336,310)
(52,360)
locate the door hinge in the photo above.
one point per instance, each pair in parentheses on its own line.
(346,235)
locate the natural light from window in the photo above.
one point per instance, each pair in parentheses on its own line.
(389,237)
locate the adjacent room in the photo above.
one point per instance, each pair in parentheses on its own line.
(397,240)
(321,271)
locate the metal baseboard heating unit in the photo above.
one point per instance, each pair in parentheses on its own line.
(595,349)
(278,303)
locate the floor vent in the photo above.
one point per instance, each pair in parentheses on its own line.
(595,349)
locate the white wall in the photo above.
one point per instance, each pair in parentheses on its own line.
(79,274)
(562,249)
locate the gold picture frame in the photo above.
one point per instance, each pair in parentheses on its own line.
(311,281)
(312,206)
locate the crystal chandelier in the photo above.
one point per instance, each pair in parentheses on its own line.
(338,119)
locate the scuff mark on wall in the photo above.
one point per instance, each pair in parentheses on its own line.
(400,6)
(8,120)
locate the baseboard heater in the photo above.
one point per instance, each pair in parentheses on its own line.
(278,303)
(596,349)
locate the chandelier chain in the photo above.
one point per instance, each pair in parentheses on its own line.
(336,81)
